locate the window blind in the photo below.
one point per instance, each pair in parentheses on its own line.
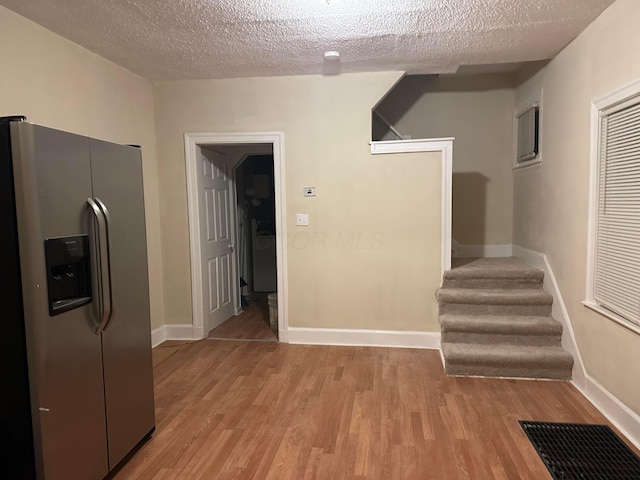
(617,268)
(528,134)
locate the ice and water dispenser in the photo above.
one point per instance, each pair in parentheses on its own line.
(68,273)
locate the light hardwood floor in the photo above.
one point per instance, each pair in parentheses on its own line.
(255,410)
(252,323)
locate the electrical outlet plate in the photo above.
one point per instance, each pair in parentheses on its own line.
(302,219)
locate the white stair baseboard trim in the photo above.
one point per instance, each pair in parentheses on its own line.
(357,337)
(624,419)
(559,310)
(175,332)
(462,250)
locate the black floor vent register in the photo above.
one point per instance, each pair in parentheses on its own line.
(586,452)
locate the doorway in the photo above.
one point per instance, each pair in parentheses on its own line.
(237,218)
(253,178)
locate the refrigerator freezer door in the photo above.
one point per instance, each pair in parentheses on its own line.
(52,178)
(126,340)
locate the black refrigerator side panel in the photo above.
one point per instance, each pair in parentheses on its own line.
(16,435)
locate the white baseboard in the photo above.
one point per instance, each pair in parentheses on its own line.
(283,334)
(625,419)
(462,250)
(558,311)
(319,336)
(371,338)
(158,335)
(175,332)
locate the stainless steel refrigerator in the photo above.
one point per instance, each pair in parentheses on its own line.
(75,367)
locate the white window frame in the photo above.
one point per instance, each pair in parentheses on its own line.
(534,100)
(598,106)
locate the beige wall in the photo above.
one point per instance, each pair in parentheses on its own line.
(551,201)
(478,112)
(57,83)
(371,255)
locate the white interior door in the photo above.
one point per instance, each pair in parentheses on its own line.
(216,238)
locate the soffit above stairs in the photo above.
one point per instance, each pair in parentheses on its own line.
(196,39)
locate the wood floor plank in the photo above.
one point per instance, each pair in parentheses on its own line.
(255,411)
(251,324)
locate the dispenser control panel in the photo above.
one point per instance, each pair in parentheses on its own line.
(68,273)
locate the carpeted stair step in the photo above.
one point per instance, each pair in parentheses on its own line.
(496,322)
(466,301)
(491,283)
(493,273)
(507,361)
(501,329)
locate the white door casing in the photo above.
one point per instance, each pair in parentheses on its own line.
(216,238)
(193,143)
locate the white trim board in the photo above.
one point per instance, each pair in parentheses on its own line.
(191,142)
(173,332)
(320,336)
(559,309)
(445,147)
(370,338)
(158,335)
(462,250)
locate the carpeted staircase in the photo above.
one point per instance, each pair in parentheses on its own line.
(496,322)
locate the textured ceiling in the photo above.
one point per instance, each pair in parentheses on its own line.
(195,39)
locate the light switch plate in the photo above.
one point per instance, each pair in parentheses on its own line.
(302,219)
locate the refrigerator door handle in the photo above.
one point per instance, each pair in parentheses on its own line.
(107,224)
(102,256)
